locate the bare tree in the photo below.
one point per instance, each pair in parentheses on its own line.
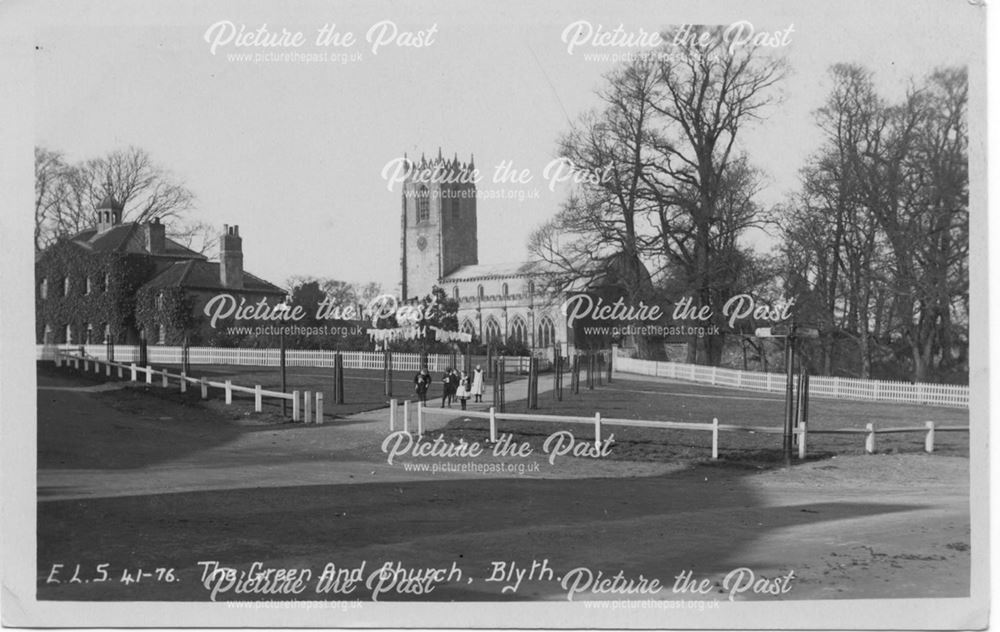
(67,195)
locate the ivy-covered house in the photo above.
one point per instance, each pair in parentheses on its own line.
(128,281)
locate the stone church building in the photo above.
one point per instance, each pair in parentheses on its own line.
(498,302)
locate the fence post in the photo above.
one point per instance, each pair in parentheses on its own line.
(97,366)
(184,382)
(204,388)
(597,431)
(149,374)
(392,414)
(86,365)
(319,408)
(493,424)
(166,378)
(715,438)
(258,399)
(308,404)
(870,438)
(802,440)
(229,392)
(295,406)
(929,441)
(121,372)
(406,416)
(420,419)
(108,369)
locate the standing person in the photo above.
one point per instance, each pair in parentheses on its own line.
(422,384)
(448,388)
(463,389)
(477,384)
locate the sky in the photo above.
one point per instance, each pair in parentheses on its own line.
(293,152)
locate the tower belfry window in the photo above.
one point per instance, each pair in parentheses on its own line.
(423,205)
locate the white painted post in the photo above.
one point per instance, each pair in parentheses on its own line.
(184,382)
(86,366)
(149,375)
(392,415)
(295,406)
(204,388)
(802,439)
(97,366)
(406,416)
(319,407)
(108,371)
(166,378)
(308,407)
(870,438)
(929,441)
(258,399)
(420,418)
(715,438)
(597,431)
(493,425)
(121,372)
(135,376)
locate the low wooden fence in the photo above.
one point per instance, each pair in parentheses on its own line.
(801,432)
(239,356)
(302,403)
(950,395)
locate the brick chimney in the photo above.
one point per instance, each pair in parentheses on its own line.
(231,258)
(156,237)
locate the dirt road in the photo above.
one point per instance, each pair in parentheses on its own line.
(136,481)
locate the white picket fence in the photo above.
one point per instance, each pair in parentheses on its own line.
(374,360)
(955,396)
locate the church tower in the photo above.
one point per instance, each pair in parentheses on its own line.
(438,222)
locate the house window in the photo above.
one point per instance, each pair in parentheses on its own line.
(107,282)
(161,335)
(491,332)
(159,301)
(43,290)
(107,332)
(89,334)
(66,286)
(47,336)
(68,334)
(86,285)
(518,331)
(423,205)
(546,333)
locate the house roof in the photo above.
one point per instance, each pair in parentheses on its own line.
(130,238)
(204,275)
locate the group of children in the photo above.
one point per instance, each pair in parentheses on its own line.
(457,385)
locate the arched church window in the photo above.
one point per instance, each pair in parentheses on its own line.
(491,332)
(468,327)
(423,205)
(518,331)
(546,333)
(531,288)
(503,290)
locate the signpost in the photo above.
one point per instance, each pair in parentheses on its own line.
(792,333)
